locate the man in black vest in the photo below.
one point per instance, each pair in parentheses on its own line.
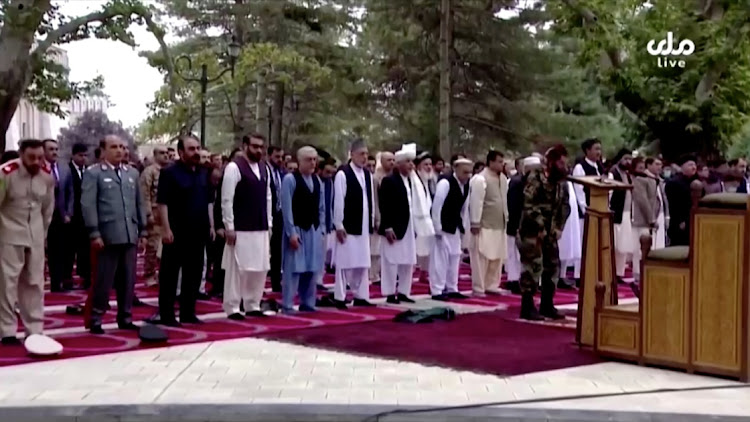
(448,211)
(184,197)
(247,212)
(353,219)
(621,204)
(398,245)
(589,165)
(303,208)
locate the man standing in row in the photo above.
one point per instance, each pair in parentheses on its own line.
(150,186)
(383,168)
(247,222)
(80,254)
(58,238)
(448,212)
(398,246)
(353,219)
(116,220)
(488,209)
(590,165)
(303,209)
(276,173)
(546,207)
(621,204)
(184,199)
(27,202)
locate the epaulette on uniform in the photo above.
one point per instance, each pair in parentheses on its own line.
(46,168)
(11,166)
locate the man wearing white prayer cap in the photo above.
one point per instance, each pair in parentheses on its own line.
(398,244)
(449,211)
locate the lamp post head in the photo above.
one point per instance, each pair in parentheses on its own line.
(233,49)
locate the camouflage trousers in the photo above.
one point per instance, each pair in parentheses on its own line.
(153,250)
(540,259)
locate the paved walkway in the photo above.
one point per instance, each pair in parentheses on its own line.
(257,371)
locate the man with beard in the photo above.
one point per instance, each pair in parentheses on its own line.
(425,181)
(383,169)
(589,165)
(326,171)
(646,206)
(448,215)
(398,248)
(116,220)
(302,202)
(515,209)
(653,170)
(27,202)
(488,210)
(680,201)
(353,218)
(546,207)
(149,186)
(184,198)
(247,212)
(621,205)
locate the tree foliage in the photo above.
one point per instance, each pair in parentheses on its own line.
(90,128)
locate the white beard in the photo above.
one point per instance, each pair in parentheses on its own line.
(426,175)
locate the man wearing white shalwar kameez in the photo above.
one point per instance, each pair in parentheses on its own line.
(488,211)
(570,244)
(247,257)
(590,165)
(448,215)
(353,220)
(424,175)
(383,168)
(398,243)
(621,204)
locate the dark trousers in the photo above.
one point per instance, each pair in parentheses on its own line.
(79,253)
(217,273)
(276,232)
(185,255)
(116,265)
(58,247)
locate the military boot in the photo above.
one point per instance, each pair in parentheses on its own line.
(528,309)
(546,307)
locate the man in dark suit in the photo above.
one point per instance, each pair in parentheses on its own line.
(57,237)
(276,173)
(79,249)
(115,218)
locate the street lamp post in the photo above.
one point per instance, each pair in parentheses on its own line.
(234,51)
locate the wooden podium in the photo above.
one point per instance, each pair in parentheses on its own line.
(598,255)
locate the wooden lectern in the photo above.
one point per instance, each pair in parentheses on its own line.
(598,259)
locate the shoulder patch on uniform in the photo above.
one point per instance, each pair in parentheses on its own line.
(11,166)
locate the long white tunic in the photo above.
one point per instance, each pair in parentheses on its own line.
(252,249)
(450,241)
(570,243)
(404,251)
(491,243)
(421,206)
(355,251)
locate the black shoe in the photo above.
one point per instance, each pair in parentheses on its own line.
(190,320)
(242,307)
(259,314)
(340,305)
(621,281)
(303,308)
(514,287)
(442,298)
(528,309)
(636,289)
(203,296)
(138,302)
(404,298)
(11,341)
(321,288)
(362,303)
(551,313)
(392,299)
(236,317)
(96,329)
(456,295)
(564,285)
(128,326)
(172,322)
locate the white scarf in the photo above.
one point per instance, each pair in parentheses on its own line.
(421,206)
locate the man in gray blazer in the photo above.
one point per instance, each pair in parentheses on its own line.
(58,239)
(115,218)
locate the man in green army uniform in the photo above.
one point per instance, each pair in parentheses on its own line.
(545,210)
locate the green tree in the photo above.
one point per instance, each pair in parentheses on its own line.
(90,128)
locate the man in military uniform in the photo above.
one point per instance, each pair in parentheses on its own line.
(115,217)
(149,187)
(27,202)
(546,207)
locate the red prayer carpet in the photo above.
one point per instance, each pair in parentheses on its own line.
(492,341)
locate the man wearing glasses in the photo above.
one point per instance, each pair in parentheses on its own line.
(149,186)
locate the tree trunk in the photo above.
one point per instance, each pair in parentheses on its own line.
(16,39)
(261,112)
(240,119)
(277,113)
(446,41)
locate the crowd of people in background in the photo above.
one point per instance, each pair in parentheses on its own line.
(215,225)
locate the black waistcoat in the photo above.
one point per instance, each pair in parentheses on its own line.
(450,215)
(590,171)
(250,209)
(353,201)
(395,213)
(305,204)
(617,201)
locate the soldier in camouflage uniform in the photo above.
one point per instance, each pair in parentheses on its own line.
(545,210)
(149,185)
